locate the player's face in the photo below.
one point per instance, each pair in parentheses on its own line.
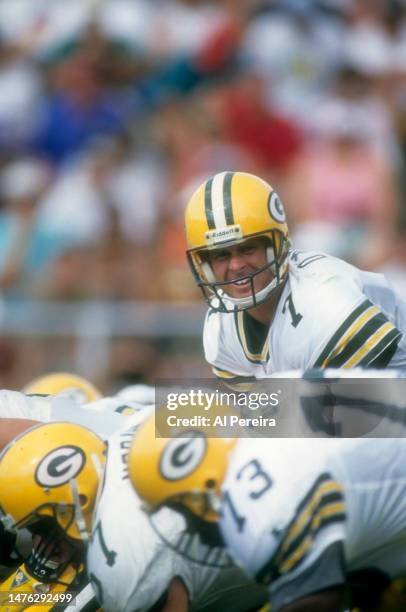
(237,262)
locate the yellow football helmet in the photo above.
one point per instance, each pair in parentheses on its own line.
(71,385)
(224,211)
(49,479)
(188,469)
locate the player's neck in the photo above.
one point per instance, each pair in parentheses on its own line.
(264,313)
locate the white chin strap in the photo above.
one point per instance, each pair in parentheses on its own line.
(79,516)
(248,302)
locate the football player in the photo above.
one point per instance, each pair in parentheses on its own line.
(62,396)
(54,397)
(19,412)
(133,563)
(272,308)
(49,479)
(307,520)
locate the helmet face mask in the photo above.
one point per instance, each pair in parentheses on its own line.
(226,211)
(53,551)
(60,514)
(215,291)
(204,504)
(195,538)
(183,475)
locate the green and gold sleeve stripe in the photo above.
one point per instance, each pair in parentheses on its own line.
(365,338)
(380,355)
(357,325)
(325,516)
(346,329)
(380,340)
(322,506)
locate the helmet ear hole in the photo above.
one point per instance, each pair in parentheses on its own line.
(210,483)
(83,499)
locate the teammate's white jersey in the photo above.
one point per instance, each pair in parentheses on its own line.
(330,314)
(299,515)
(17,405)
(129,563)
(104,416)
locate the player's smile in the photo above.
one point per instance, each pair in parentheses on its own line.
(239,263)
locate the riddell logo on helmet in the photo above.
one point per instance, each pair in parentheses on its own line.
(226,234)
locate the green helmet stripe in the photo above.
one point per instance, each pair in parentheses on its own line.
(208,205)
(228,208)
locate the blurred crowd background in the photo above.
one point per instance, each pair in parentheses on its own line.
(113,111)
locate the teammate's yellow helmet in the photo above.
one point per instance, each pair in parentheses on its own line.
(188,469)
(52,470)
(72,385)
(226,210)
(49,479)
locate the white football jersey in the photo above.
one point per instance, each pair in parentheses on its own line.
(330,314)
(17,405)
(104,416)
(132,558)
(287,501)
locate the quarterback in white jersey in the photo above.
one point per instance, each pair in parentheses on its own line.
(329,314)
(132,558)
(273,309)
